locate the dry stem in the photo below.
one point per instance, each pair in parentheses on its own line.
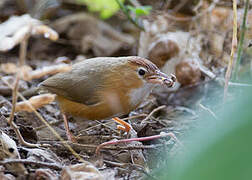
(22,55)
(151,114)
(162,134)
(233,49)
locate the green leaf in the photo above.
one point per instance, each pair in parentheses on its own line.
(106,8)
(140,11)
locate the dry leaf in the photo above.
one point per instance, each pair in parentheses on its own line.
(45,155)
(8,150)
(97,36)
(83,171)
(46,31)
(5,176)
(188,72)
(17,28)
(8,68)
(35,101)
(50,70)
(11,68)
(45,174)
(162,50)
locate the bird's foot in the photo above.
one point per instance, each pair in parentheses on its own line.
(123,125)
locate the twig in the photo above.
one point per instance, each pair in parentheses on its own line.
(24,161)
(79,147)
(233,49)
(14,100)
(239,84)
(240,45)
(151,114)
(235,84)
(126,12)
(209,111)
(162,134)
(22,54)
(23,50)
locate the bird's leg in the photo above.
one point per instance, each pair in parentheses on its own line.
(70,136)
(123,125)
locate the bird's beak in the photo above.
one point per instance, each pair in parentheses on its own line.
(162,78)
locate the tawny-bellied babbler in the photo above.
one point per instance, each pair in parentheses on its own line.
(104,87)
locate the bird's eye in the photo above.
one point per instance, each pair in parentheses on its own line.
(11,150)
(141,72)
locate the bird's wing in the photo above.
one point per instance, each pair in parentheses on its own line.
(74,85)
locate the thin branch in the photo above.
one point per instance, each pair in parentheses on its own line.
(233,49)
(23,50)
(79,147)
(126,12)
(22,54)
(209,111)
(14,100)
(162,134)
(151,114)
(240,45)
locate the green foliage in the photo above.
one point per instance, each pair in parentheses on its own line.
(219,149)
(140,11)
(106,8)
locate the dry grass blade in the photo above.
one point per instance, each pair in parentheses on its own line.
(151,114)
(242,34)
(233,49)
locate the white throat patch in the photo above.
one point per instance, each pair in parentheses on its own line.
(139,94)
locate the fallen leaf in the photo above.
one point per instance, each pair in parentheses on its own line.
(83,171)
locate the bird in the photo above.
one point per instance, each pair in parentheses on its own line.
(104,87)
